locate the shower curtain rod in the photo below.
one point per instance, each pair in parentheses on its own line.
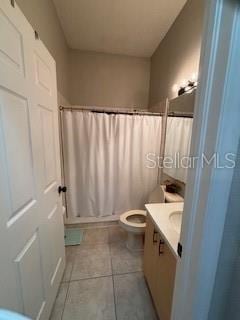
(128,112)
(180,114)
(117,111)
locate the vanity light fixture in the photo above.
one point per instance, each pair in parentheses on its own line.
(188,88)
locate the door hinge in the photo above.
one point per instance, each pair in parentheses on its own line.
(36,35)
(179,249)
(12,3)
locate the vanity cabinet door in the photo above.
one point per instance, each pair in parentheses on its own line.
(150,255)
(159,266)
(166,269)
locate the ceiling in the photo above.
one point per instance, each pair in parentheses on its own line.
(129,27)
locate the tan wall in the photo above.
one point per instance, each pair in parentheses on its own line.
(42,16)
(98,79)
(177,56)
(113,80)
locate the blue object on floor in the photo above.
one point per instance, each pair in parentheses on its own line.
(8,315)
(73,236)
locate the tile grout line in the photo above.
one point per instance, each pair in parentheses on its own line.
(99,227)
(64,304)
(105,276)
(112,275)
(114,295)
(67,293)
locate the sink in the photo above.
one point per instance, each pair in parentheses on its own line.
(176,220)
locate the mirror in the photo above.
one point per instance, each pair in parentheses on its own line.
(178,137)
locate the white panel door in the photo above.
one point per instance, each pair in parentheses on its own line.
(31,224)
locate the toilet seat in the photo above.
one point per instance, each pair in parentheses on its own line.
(135,227)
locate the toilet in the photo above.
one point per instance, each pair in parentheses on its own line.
(134,221)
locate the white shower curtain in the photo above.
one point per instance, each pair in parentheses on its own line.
(105,161)
(177,146)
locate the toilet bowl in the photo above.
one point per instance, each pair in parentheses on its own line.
(134,222)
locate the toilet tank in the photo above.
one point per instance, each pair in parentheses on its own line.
(159,195)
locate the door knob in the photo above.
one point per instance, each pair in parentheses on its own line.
(62,189)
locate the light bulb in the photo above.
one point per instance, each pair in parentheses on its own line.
(187,88)
(194,76)
(175,88)
(184,83)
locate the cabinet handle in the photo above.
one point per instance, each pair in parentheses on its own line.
(155,233)
(161,243)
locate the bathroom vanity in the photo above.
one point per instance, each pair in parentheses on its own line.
(160,253)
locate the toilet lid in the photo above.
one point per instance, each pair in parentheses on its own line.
(124,218)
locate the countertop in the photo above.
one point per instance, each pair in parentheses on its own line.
(159,213)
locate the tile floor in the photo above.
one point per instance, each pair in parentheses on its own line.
(103,280)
